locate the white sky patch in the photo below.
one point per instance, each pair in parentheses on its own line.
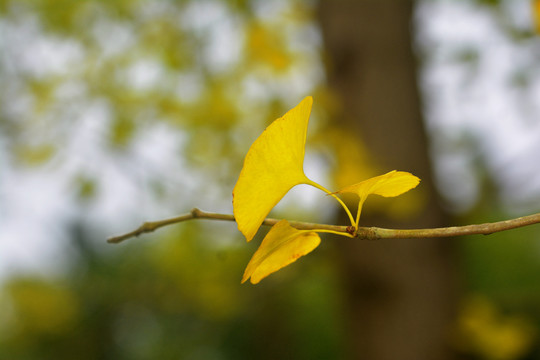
(224,46)
(519,13)
(475,98)
(114,38)
(203,14)
(25,48)
(223,32)
(270,9)
(30,233)
(143,74)
(189,87)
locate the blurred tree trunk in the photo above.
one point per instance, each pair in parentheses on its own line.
(401,293)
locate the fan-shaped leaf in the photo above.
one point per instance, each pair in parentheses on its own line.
(273,165)
(390,184)
(282,245)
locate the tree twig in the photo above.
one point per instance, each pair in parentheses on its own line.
(374,233)
(195,213)
(366,233)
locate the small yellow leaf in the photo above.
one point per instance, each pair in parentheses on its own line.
(390,184)
(273,165)
(282,245)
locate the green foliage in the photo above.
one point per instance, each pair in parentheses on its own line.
(176,297)
(504,265)
(500,317)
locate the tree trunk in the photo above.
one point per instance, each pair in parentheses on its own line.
(400,293)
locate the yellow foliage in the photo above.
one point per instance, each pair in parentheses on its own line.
(282,246)
(265,46)
(221,114)
(42,309)
(273,165)
(390,184)
(122,131)
(35,155)
(494,336)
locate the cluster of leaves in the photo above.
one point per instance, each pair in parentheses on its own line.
(273,165)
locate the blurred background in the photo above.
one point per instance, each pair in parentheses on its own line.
(117,112)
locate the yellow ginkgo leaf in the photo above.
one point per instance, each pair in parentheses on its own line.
(536,14)
(390,184)
(273,165)
(282,245)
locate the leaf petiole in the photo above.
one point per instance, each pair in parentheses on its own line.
(359,212)
(328,192)
(333,232)
(342,233)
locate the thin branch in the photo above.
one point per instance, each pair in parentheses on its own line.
(366,233)
(374,233)
(200,214)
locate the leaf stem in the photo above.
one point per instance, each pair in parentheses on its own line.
(328,192)
(359,211)
(342,233)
